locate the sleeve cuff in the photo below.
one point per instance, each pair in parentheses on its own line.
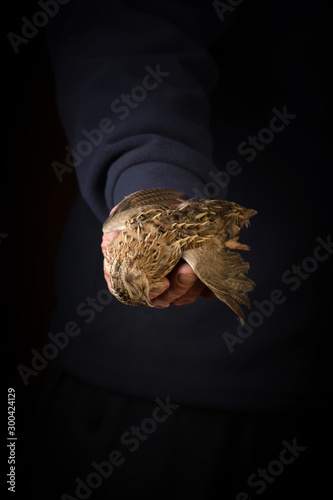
(156,175)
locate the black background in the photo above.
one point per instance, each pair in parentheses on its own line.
(33,202)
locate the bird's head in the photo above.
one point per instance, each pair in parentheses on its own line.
(135,284)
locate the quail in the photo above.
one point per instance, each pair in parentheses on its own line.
(157,229)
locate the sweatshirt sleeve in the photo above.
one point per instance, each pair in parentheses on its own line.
(132,86)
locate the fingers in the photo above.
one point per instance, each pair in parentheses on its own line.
(107,238)
(184,287)
(155,292)
(191,295)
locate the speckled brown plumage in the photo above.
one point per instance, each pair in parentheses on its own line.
(157,229)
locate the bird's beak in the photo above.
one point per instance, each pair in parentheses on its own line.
(147,301)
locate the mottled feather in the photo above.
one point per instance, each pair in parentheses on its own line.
(158,228)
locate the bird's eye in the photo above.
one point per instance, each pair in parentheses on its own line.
(134,291)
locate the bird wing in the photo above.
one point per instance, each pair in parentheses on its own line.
(223,272)
(147,197)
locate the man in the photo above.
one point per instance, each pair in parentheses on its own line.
(218,103)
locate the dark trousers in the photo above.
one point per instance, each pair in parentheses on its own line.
(87,442)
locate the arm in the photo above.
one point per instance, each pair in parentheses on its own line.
(133,83)
(102,54)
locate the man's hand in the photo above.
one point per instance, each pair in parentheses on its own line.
(181,285)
